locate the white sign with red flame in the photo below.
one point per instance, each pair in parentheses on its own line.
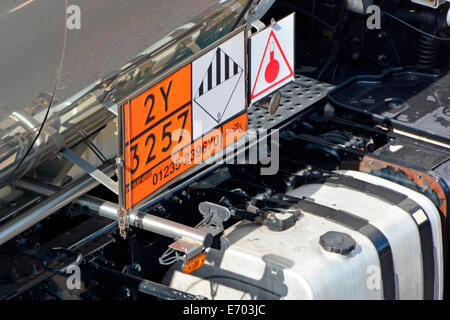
(272,58)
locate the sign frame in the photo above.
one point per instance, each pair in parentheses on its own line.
(251,72)
(121,170)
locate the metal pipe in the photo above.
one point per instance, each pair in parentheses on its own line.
(51,205)
(143,285)
(138,218)
(149,222)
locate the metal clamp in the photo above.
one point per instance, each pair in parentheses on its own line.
(91,170)
(214,216)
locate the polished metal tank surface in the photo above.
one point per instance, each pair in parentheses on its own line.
(119,48)
(112,33)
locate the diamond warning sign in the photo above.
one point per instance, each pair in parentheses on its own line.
(218,85)
(219,77)
(272,58)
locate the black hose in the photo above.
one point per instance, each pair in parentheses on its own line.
(427,51)
(142,285)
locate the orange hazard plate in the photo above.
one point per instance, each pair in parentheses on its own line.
(177,123)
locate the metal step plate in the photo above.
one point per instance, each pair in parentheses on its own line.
(295,97)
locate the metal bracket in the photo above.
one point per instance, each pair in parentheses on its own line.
(270,216)
(93,147)
(91,170)
(214,216)
(258,25)
(258,9)
(111,107)
(189,248)
(277,221)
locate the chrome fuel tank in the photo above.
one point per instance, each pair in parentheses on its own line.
(119,47)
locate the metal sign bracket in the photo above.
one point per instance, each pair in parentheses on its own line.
(91,170)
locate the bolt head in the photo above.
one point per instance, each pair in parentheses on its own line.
(356,55)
